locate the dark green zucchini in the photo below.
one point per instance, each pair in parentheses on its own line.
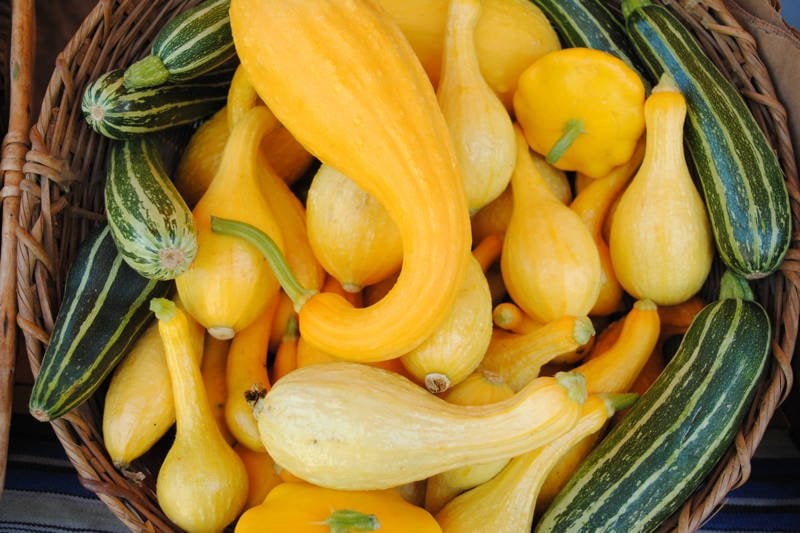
(104,310)
(590,24)
(739,173)
(192,43)
(149,220)
(120,113)
(650,463)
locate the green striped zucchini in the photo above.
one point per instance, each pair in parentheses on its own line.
(149,220)
(104,310)
(190,44)
(120,113)
(650,463)
(739,173)
(590,24)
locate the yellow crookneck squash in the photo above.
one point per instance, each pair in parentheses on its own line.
(457,346)
(550,263)
(202,484)
(304,508)
(582,108)
(482,387)
(139,408)
(518,358)
(312,422)
(481,128)
(350,232)
(592,204)
(661,243)
(229,283)
(348,71)
(507,501)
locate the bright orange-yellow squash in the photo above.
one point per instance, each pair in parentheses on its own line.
(336,89)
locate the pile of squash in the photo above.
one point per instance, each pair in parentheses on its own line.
(423,258)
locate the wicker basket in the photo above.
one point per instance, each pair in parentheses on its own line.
(62,199)
(17,39)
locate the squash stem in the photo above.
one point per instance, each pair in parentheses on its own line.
(147,72)
(619,401)
(629,6)
(734,286)
(277,261)
(163,308)
(344,520)
(572,129)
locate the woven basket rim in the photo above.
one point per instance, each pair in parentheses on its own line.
(48,164)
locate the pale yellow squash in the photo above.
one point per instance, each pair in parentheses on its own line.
(479,124)
(312,423)
(550,263)
(511,34)
(661,243)
(457,346)
(350,232)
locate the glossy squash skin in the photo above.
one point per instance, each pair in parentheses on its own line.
(304,508)
(510,35)
(593,204)
(507,501)
(202,484)
(139,407)
(349,70)
(350,232)
(482,387)
(456,348)
(550,262)
(480,126)
(215,355)
(245,374)
(225,299)
(661,243)
(518,358)
(616,369)
(312,423)
(200,159)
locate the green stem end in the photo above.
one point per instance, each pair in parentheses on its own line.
(147,72)
(163,308)
(733,286)
(619,401)
(629,6)
(274,256)
(572,130)
(344,520)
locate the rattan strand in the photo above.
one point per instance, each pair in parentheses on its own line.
(54,221)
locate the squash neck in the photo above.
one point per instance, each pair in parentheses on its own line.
(192,412)
(459,46)
(238,169)
(665,114)
(528,186)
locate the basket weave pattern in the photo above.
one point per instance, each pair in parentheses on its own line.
(61,199)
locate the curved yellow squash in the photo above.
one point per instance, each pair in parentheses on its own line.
(336,90)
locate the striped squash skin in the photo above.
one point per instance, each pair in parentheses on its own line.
(104,310)
(149,220)
(196,41)
(589,24)
(119,113)
(650,463)
(741,178)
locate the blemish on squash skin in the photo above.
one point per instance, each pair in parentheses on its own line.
(255,393)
